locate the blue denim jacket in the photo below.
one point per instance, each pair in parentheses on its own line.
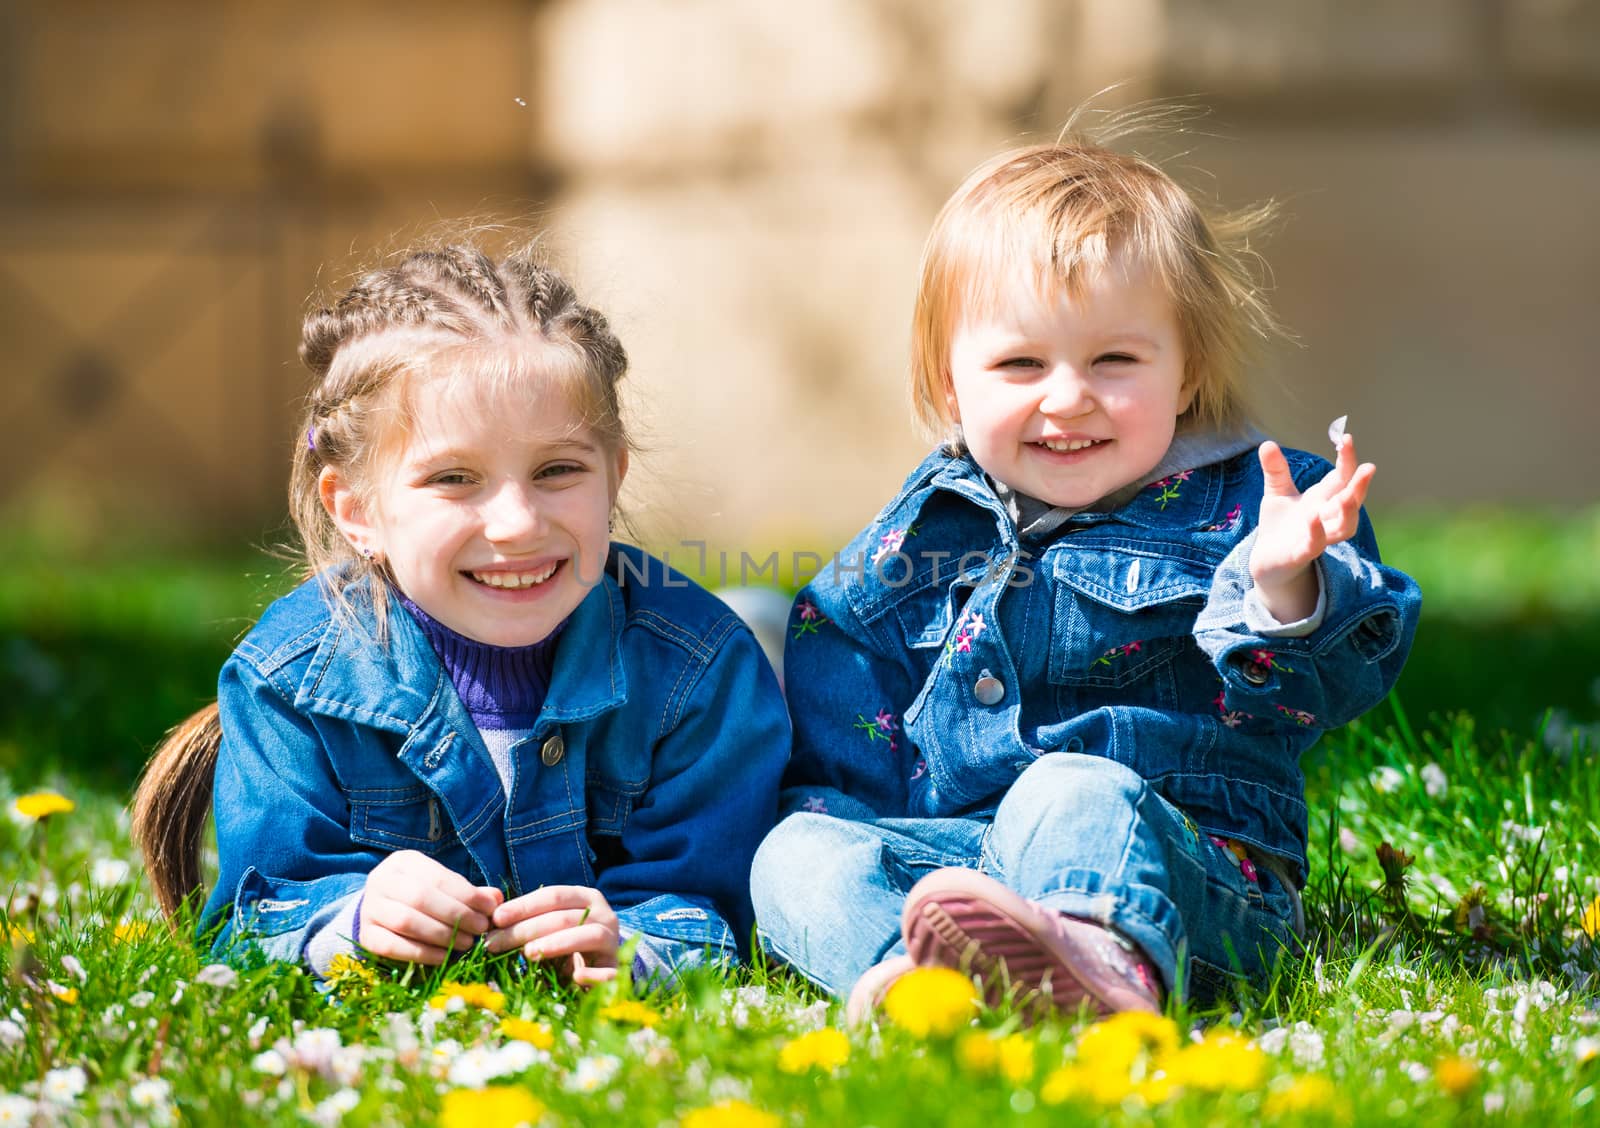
(651,774)
(938,655)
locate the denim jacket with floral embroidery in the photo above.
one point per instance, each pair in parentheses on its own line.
(651,773)
(938,655)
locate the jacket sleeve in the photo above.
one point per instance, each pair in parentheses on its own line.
(683,881)
(849,684)
(287,867)
(1347,660)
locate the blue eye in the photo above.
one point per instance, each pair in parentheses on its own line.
(560,470)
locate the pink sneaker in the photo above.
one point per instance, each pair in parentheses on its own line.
(873,985)
(962,919)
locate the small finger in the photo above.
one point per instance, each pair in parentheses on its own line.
(483,899)
(593,976)
(532,928)
(388,945)
(1275,470)
(414,924)
(588,938)
(549,899)
(441,906)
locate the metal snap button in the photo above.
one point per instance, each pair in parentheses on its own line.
(554,748)
(988,689)
(1255,673)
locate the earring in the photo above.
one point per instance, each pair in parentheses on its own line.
(367,552)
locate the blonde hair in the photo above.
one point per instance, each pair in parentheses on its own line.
(450,312)
(1061,209)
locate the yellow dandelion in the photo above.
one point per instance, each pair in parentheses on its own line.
(497,1106)
(1076,1082)
(826,1049)
(729,1114)
(1157,1089)
(1118,1042)
(1221,1061)
(133,931)
(1304,1094)
(42,804)
(1012,1056)
(1016,1059)
(1456,1075)
(536,1034)
(1590,919)
(479,995)
(978,1052)
(68,995)
(16,933)
(346,973)
(630,1011)
(931,1002)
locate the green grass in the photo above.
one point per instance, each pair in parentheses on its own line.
(1457,988)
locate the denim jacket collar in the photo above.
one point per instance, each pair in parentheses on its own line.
(400,688)
(1187,499)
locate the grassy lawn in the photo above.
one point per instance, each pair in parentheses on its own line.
(1448,976)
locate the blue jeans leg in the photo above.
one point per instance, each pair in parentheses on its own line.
(828,891)
(1089,837)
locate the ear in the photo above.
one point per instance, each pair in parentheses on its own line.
(1186,395)
(345,506)
(952,405)
(620,472)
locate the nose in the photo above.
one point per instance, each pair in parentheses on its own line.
(1066,392)
(511,514)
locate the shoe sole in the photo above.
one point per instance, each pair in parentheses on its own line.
(961,919)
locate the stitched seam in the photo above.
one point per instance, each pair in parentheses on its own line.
(545,828)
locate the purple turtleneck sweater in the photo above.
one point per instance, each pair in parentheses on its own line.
(503,687)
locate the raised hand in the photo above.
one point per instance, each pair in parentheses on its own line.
(571,922)
(415,909)
(1296,527)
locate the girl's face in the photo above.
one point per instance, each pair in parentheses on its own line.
(1070,399)
(493,515)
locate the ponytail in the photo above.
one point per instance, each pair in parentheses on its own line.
(170,805)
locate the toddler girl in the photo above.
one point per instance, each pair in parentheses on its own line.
(1049,705)
(478,719)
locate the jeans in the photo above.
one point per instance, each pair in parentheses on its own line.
(1080,834)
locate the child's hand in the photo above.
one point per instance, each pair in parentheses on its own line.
(561,920)
(1295,527)
(415,909)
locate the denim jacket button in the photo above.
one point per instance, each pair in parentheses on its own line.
(554,748)
(1254,673)
(988,689)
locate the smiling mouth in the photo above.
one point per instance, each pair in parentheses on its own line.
(515,581)
(1070,446)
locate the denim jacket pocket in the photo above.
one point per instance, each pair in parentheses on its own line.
(609,806)
(408,818)
(265,906)
(1119,614)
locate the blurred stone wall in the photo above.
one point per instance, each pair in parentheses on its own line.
(745,186)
